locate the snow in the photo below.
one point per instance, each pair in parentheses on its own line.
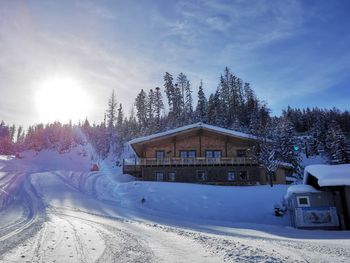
(299,189)
(198,125)
(198,203)
(65,213)
(315,159)
(329,175)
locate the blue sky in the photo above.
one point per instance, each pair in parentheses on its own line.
(292,52)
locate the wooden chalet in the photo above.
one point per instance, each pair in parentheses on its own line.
(199,153)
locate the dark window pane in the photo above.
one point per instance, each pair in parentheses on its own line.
(231,176)
(241,153)
(217,154)
(172,176)
(209,154)
(303,201)
(160,154)
(201,176)
(243,175)
(159,176)
(183,154)
(191,154)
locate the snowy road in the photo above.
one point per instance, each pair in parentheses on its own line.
(53,221)
(72,235)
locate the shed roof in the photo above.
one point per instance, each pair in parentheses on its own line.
(300,189)
(329,175)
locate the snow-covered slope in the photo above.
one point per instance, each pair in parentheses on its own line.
(62,212)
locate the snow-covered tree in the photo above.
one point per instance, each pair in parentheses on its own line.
(158,107)
(265,153)
(336,144)
(201,113)
(141,109)
(111,112)
(287,146)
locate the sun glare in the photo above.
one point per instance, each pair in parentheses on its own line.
(61,98)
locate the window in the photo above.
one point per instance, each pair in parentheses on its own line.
(213,153)
(191,154)
(188,154)
(243,176)
(159,176)
(201,176)
(171,176)
(160,154)
(231,176)
(303,201)
(241,153)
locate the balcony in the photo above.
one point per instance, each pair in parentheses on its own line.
(135,165)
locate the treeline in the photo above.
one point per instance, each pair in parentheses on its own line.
(326,131)
(233,105)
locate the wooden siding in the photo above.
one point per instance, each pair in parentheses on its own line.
(146,165)
(213,174)
(198,142)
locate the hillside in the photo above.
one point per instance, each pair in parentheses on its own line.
(63,212)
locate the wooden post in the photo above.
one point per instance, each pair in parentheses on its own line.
(174,141)
(200,143)
(226,142)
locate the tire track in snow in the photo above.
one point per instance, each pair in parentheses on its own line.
(120,245)
(19,231)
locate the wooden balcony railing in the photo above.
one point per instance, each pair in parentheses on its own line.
(136,164)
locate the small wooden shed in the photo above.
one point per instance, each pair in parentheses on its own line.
(323,200)
(310,208)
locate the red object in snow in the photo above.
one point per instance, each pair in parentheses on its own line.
(18,156)
(94,168)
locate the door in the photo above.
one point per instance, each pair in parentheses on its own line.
(346,205)
(159,176)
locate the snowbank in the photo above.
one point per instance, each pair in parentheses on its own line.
(194,202)
(166,201)
(329,175)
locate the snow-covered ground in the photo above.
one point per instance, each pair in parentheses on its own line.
(55,210)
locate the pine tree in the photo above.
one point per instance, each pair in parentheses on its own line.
(111,118)
(159,106)
(336,144)
(188,109)
(202,105)
(120,116)
(182,82)
(184,87)
(288,149)
(111,111)
(6,146)
(225,104)
(12,132)
(141,109)
(265,152)
(177,113)
(169,90)
(150,111)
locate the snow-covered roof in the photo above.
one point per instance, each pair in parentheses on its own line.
(291,179)
(285,165)
(329,175)
(195,126)
(300,189)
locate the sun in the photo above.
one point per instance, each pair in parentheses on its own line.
(61,98)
